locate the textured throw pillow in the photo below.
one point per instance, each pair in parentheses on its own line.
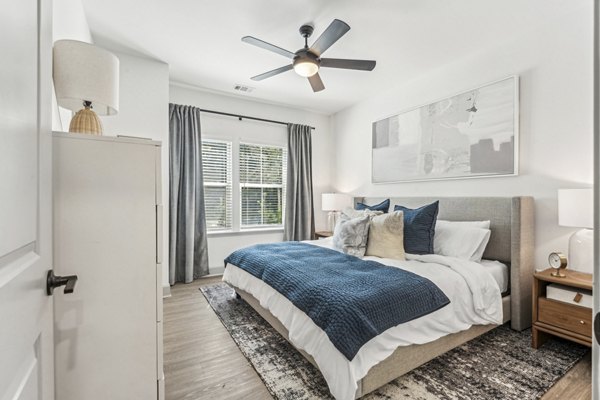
(384,206)
(419,228)
(351,234)
(386,236)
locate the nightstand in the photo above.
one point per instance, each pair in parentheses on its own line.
(559,318)
(323,234)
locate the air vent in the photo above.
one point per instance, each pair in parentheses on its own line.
(243,88)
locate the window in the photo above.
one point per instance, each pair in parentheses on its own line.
(216,170)
(262,185)
(260,196)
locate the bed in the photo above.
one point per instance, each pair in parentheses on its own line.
(511,244)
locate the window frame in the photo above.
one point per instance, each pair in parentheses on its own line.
(230,183)
(240,186)
(226,132)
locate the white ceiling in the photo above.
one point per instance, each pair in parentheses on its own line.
(200,39)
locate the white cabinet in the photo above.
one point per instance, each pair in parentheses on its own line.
(107,231)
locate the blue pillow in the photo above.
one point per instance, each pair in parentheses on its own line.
(419,228)
(383,206)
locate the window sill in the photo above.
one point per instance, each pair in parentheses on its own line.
(249,231)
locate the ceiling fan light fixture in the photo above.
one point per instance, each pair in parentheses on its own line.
(306,67)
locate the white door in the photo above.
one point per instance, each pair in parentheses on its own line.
(26,344)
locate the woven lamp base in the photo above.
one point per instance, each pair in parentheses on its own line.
(86,121)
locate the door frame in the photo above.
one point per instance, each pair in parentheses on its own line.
(596,133)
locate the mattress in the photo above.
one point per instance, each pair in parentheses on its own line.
(473,292)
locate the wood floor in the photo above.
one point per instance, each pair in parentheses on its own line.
(201,361)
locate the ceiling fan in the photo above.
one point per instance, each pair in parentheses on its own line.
(307,61)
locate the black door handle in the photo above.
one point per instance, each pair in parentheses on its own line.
(53,281)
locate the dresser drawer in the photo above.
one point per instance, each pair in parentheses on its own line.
(566,316)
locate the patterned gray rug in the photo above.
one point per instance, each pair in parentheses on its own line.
(498,365)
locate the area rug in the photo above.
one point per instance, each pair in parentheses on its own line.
(498,365)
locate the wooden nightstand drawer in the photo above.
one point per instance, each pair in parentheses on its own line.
(570,317)
(557,318)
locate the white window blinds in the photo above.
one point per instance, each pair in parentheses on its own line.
(216,170)
(262,185)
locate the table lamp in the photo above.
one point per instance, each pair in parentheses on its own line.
(576,209)
(334,203)
(86,80)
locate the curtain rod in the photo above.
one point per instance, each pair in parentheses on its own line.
(240,117)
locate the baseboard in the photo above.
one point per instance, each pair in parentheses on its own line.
(166,291)
(212,275)
(216,271)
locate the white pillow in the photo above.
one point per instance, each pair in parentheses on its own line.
(472,224)
(462,239)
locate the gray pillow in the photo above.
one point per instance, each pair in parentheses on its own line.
(351,234)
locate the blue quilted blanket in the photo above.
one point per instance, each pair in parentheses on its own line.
(351,299)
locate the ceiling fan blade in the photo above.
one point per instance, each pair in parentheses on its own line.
(267,46)
(316,82)
(334,31)
(362,65)
(272,73)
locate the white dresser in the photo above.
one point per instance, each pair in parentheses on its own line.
(107,231)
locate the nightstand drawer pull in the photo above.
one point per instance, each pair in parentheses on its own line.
(566,316)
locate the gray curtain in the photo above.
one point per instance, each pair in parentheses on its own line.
(299,212)
(188,250)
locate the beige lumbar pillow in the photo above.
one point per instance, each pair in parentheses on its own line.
(386,236)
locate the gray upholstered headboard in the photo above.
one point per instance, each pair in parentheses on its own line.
(511,240)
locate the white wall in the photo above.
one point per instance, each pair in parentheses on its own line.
(214,126)
(68,22)
(144,112)
(143,98)
(554,63)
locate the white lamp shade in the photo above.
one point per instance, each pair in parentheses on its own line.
(334,201)
(84,72)
(576,208)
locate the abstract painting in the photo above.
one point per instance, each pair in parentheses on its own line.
(471,134)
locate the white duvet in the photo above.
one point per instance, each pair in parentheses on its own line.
(474,295)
